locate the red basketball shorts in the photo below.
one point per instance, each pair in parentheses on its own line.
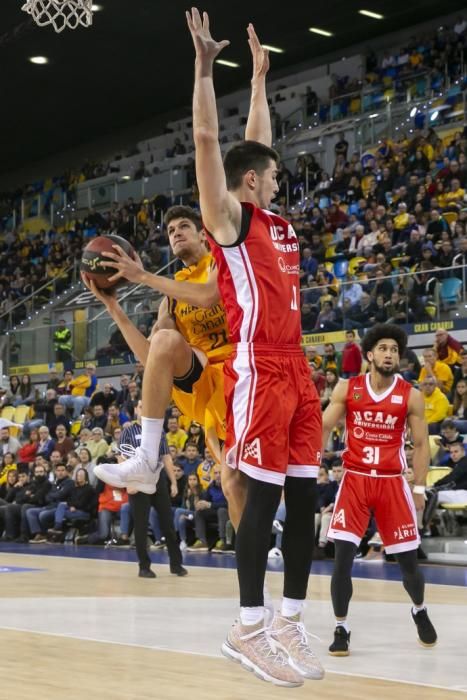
(388,498)
(274,421)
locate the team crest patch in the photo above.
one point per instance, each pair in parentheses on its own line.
(356,396)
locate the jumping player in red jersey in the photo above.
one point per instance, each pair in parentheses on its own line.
(273,411)
(378,408)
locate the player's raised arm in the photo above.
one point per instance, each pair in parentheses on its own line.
(258,127)
(335,412)
(221,211)
(421,453)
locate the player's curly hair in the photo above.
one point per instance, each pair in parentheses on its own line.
(384,330)
(181,211)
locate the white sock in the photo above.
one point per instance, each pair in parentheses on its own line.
(151,430)
(343,623)
(251,616)
(291,607)
(417,608)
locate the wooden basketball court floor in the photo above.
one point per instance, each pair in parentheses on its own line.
(77,623)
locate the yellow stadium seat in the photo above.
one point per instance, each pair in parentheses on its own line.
(354,264)
(395,262)
(355,105)
(8,412)
(75,428)
(436,473)
(22,413)
(329,266)
(450,216)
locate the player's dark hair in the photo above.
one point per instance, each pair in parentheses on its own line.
(179,211)
(384,330)
(245,156)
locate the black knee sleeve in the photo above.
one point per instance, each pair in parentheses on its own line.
(253,539)
(299,535)
(341,580)
(412,577)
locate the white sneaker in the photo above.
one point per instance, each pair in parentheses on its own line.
(139,472)
(292,636)
(183,546)
(275,553)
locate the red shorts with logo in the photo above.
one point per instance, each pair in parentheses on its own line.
(274,420)
(388,498)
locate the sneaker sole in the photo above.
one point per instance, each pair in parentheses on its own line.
(317,675)
(230,653)
(427,645)
(112,480)
(339,653)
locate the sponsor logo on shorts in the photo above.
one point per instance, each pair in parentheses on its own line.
(405,532)
(395,398)
(253,451)
(339,518)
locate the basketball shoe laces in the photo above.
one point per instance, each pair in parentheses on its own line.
(127,450)
(299,641)
(268,647)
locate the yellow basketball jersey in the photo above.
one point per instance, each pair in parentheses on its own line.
(205,329)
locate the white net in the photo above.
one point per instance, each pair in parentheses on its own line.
(60,13)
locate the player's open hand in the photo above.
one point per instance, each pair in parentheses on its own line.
(107,297)
(130,269)
(259,54)
(206,47)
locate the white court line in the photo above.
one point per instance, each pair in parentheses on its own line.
(220,656)
(213,568)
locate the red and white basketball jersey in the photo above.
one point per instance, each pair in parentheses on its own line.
(376,425)
(259,280)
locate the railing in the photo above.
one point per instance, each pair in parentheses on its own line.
(32,349)
(26,307)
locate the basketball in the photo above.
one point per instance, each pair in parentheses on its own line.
(92,259)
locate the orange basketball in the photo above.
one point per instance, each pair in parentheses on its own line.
(92,259)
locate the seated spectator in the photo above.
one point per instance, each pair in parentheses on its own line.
(25,394)
(454,483)
(7,464)
(447,348)
(331,358)
(13,392)
(58,419)
(436,404)
(44,412)
(196,436)
(41,518)
(15,495)
(33,495)
(10,480)
(351,290)
(63,443)
(331,378)
(205,470)
(459,406)
(73,463)
(105,398)
(45,444)
(115,420)
(8,443)
(211,508)
(396,309)
(186,512)
(326,507)
(436,369)
(85,462)
(99,418)
(81,389)
(123,393)
(175,436)
(191,460)
(110,501)
(98,445)
(79,505)
(84,437)
(180,483)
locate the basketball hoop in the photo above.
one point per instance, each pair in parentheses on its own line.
(60,13)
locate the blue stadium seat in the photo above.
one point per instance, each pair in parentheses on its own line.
(450,291)
(340,268)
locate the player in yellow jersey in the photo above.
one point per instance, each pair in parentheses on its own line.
(184,356)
